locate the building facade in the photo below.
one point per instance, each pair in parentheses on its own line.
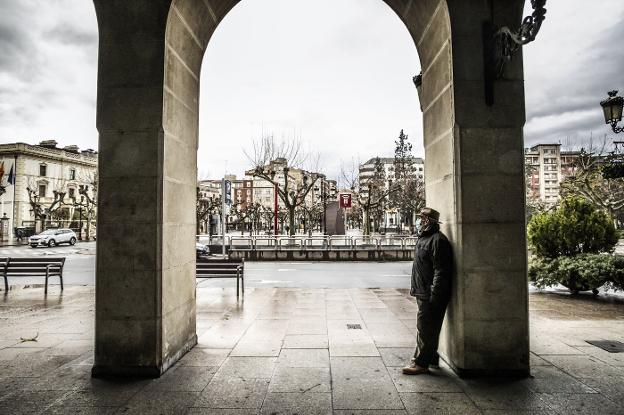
(323,191)
(391,216)
(50,177)
(546,167)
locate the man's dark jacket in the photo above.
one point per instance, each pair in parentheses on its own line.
(433,266)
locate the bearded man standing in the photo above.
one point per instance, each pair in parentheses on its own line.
(431,285)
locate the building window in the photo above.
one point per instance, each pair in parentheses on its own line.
(42,190)
(72,174)
(43,170)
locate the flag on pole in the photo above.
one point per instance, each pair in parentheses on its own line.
(11,178)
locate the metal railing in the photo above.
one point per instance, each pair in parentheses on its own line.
(311,243)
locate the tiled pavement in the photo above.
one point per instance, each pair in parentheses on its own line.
(288,351)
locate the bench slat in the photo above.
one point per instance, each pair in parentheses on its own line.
(32,267)
(209,269)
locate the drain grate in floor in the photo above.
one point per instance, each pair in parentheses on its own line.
(611,346)
(354,326)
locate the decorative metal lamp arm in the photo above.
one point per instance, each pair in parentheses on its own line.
(509,41)
(500,44)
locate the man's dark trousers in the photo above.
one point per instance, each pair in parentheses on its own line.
(429,323)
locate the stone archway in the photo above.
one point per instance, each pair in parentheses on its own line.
(150,57)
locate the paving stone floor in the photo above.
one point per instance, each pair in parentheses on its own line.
(288,351)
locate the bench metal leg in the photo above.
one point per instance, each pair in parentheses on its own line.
(6,284)
(61,278)
(243,282)
(237,282)
(46,283)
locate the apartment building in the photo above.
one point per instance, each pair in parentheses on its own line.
(367,170)
(546,167)
(241,192)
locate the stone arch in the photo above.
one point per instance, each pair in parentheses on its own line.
(151,54)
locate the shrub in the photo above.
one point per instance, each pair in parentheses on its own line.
(575,227)
(583,272)
(617,280)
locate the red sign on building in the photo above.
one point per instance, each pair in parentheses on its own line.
(345,200)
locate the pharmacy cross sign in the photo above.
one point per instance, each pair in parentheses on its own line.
(345,200)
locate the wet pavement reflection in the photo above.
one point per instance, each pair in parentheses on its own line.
(290,351)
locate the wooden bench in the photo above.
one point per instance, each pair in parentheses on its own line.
(32,267)
(211,268)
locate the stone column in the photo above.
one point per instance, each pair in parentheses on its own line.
(145,282)
(479,185)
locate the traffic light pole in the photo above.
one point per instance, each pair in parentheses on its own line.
(223,227)
(275,210)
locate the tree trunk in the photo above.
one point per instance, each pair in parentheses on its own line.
(367,229)
(306,220)
(291,221)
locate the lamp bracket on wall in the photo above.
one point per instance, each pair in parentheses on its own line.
(417,80)
(501,44)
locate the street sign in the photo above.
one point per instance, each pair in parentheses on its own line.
(345,200)
(228,192)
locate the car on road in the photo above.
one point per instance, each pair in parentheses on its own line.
(53,237)
(201,249)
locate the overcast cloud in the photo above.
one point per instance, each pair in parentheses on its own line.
(336,73)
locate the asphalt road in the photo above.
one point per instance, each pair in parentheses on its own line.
(80,270)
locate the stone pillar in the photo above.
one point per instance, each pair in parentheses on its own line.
(145,281)
(475,178)
(487,330)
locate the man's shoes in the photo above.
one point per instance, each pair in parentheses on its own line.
(414,369)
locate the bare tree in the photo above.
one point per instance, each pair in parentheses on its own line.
(591,181)
(312,215)
(282,164)
(87,202)
(247,214)
(350,174)
(41,210)
(533,203)
(206,207)
(373,195)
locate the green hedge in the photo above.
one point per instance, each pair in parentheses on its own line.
(575,227)
(583,272)
(617,281)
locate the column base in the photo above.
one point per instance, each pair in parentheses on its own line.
(103,371)
(489,373)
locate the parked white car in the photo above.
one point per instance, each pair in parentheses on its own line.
(201,249)
(53,237)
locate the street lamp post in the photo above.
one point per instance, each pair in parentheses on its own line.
(80,223)
(612,108)
(324,197)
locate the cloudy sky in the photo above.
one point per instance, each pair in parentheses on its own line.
(334,73)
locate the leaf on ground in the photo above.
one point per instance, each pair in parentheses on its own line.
(29,339)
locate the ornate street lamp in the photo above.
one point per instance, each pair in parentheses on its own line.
(612,108)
